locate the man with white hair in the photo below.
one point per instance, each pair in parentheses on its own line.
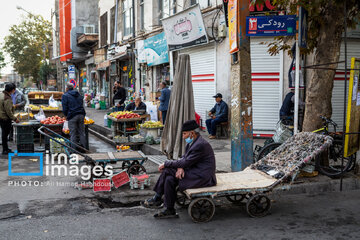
(73,109)
(136,105)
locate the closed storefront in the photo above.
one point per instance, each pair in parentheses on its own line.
(202,61)
(353,50)
(266,87)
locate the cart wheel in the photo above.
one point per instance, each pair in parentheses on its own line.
(181,199)
(125,165)
(136,169)
(201,210)
(258,205)
(236,199)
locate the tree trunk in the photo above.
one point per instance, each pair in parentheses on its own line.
(321,82)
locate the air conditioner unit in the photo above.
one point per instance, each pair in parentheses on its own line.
(89,29)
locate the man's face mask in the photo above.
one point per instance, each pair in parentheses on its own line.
(189,139)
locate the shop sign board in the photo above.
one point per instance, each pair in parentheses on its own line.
(185,29)
(233,16)
(352,141)
(141,57)
(156,50)
(71,71)
(282,25)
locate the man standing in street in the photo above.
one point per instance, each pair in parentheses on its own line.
(6,115)
(218,114)
(195,169)
(164,100)
(18,100)
(73,109)
(119,96)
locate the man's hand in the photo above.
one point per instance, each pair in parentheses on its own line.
(17,120)
(161,167)
(180,173)
(209,113)
(118,105)
(213,117)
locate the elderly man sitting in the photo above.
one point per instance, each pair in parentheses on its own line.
(137,105)
(195,169)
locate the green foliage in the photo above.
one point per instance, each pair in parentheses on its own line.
(46,70)
(26,43)
(2,61)
(316,11)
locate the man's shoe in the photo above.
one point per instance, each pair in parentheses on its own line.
(167,213)
(6,152)
(152,203)
(212,137)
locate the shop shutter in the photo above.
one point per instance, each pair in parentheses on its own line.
(202,61)
(265,74)
(353,50)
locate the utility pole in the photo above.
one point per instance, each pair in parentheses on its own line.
(241,98)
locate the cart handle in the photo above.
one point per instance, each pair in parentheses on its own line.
(87,158)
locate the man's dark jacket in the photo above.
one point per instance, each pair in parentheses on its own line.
(164,99)
(198,163)
(120,94)
(221,110)
(72,104)
(287,106)
(131,106)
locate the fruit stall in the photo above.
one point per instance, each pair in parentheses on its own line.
(151,131)
(124,123)
(42,97)
(48,110)
(56,124)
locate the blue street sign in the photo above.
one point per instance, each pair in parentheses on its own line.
(283,25)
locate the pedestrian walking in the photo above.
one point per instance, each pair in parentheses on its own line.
(218,114)
(164,100)
(6,115)
(119,96)
(73,109)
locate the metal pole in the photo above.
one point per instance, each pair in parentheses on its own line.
(345,96)
(297,83)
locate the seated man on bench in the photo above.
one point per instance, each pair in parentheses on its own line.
(195,169)
(218,114)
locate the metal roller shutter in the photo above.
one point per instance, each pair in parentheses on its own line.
(353,50)
(202,61)
(265,74)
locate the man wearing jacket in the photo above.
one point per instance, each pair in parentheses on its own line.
(218,114)
(73,109)
(195,169)
(6,115)
(119,96)
(136,105)
(18,100)
(164,100)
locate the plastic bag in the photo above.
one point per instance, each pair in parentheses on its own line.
(53,102)
(66,129)
(40,115)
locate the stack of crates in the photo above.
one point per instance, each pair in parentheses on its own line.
(25,138)
(57,128)
(56,147)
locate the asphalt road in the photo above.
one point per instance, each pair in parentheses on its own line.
(333,215)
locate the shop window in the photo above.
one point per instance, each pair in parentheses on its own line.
(127,13)
(112,24)
(202,3)
(142,14)
(167,8)
(103,29)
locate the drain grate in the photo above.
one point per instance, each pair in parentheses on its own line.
(109,203)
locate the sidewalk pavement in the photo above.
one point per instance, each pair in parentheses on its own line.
(97,115)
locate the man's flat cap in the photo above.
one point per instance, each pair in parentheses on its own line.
(189,125)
